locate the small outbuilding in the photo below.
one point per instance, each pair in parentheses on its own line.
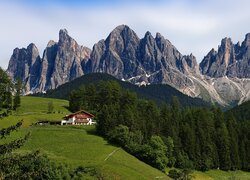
(78,118)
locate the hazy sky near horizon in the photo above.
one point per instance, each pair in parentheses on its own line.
(193,26)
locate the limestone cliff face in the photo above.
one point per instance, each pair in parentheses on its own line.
(61,62)
(117,54)
(25,64)
(231,60)
(229,70)
(65,59)
(222,77)
(47,66)
(141,61)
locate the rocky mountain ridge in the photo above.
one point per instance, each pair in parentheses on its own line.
(231,60)
(61,62)
(222,77)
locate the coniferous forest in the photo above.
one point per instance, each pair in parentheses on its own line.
(168,135)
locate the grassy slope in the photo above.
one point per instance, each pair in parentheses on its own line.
(221,175)
(76,146)
(35,109)
(79,146)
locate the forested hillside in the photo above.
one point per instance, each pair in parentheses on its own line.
(157,92)
(241,112)
(169,135)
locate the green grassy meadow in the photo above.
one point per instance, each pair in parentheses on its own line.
(79,146)
(74,145)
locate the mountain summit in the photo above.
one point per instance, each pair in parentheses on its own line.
(223,76)
(61,62)
(231,60)
(141,61)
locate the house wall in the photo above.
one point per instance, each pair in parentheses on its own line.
(72,121)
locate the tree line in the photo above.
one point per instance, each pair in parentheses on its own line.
(168,135)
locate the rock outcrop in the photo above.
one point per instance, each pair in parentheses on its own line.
(25,64)
(142,61)
(61,62)
(229,70)
(231,60)
(222,77)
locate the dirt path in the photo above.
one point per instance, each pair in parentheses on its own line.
(113,152)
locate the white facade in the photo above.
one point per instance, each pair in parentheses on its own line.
(71,121)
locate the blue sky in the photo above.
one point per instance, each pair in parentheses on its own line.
(87,2)
(193,26)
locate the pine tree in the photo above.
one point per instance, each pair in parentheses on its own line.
(234,143)
(166,121)
(5,90)
(127,114)
(223,145)
(244,148)
(17,99)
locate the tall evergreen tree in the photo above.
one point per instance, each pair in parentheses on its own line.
(223,145)
(127,114)
(166,126)
(18,89)
(234,142)
(5,90)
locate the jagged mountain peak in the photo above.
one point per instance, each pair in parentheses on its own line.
(122,32)
(51,43)
(226,43)
(150,60)
(247,36)
(159,36)
(246,42)
(230,60)
(24,63)
(121,28)
(64,37)
(149,38)
(63,32)
(31,46)
(226,40)
(148,34)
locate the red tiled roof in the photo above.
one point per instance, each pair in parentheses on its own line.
(80,114)
(81,121)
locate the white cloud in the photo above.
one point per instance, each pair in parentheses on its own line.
(192,26)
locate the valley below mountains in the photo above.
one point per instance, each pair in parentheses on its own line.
(222,77)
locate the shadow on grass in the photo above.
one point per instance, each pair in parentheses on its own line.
(67,107)
(92,131)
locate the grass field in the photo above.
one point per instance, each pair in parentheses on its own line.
(221,175)
(35,109)
(74,145)
(79,146)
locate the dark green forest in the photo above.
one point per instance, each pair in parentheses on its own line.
(166,135)
(241,112)
(160,93)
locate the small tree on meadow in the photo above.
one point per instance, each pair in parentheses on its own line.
(50,107)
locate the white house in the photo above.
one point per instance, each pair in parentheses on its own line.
(78,118)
